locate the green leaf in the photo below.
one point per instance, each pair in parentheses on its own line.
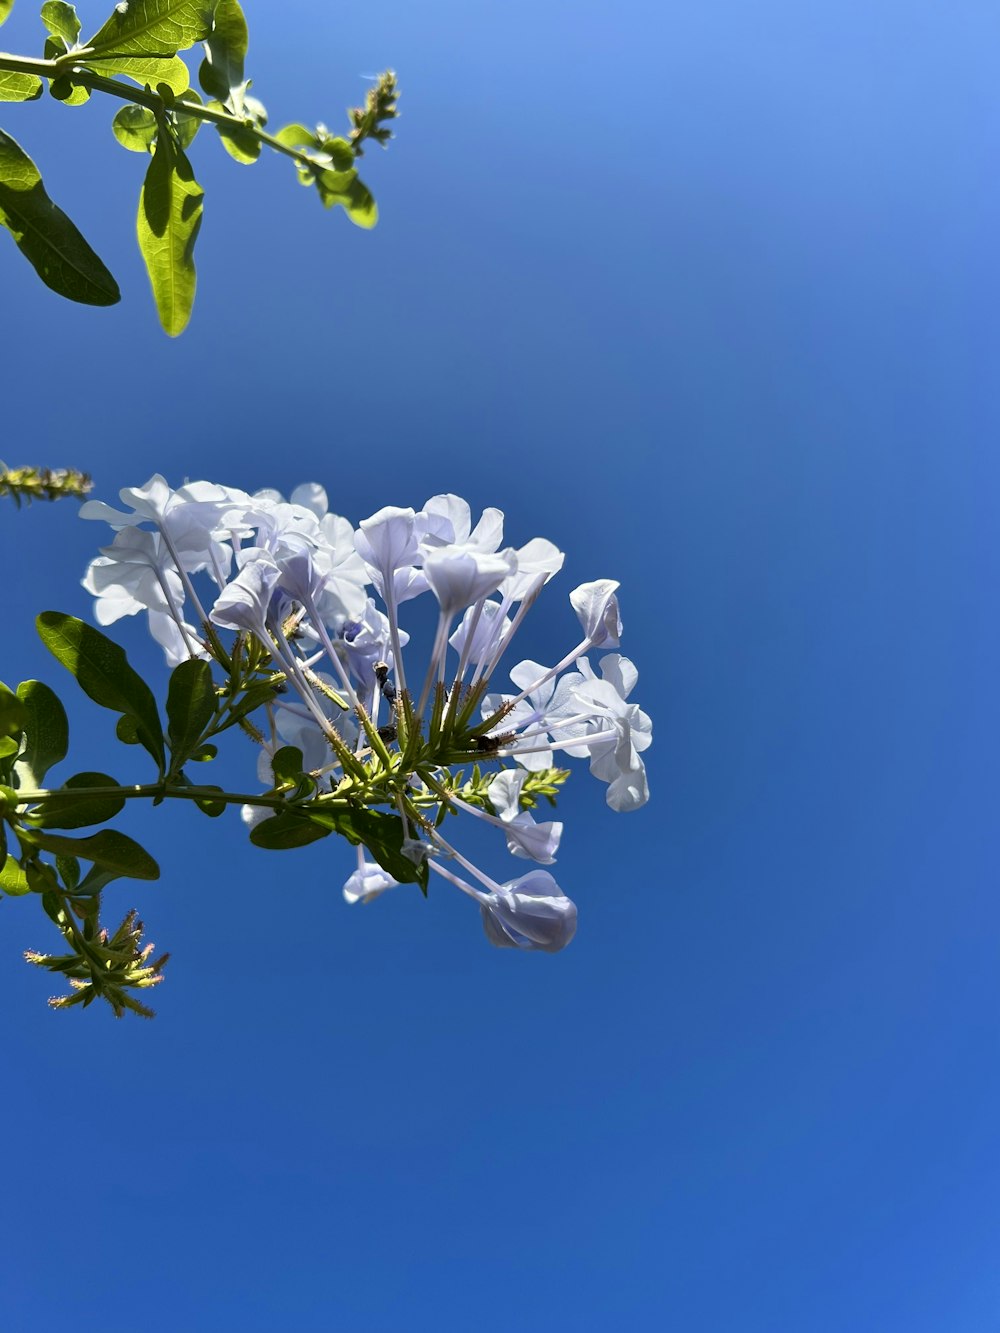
(81,810)
(12,713)
(135,128)
(69,871)
(114,856)
(46,730)
(240,143)
(61,21)
(190,707)
(287,766)
(153,70)
(170,208)
(344,189)
(63,89)
(287,830)
(383,835)
(153,27)
(206,804)
(103,673)
(361,206)
(333,186)
(13,880)
(297,136)
(44,234)
(5,7)
(256,696)
(19,87)
(186,125)
(221,72)
(9,747)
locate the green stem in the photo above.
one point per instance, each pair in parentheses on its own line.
(67,67)
(163,790)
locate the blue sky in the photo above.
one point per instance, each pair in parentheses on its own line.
(706,294)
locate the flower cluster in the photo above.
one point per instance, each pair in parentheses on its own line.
(318,606)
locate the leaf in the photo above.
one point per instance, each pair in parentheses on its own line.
(61,21)
(255,697)
(170,208)
(383,835)
(82,810)
(287,766)
(190,707)
(208,805)
(135,128)
(287,830)
(186,125)
(333,186)
(46,732)
(103,673)
(143,70)
(5,7)
(240,143)
(12,712)
(153,27)
(62,88)
(344,189)
(221,72)
(297,136)
(69,871)
(19,87)
(44,234)
(13,880)
(361,207)
(114,854)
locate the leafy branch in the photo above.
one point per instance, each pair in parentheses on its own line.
(141,41)
(379,793)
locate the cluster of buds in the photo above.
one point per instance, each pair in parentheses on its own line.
(42,483)
(319,606)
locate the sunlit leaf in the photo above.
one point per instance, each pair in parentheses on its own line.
(19,87)
(221,72)
(170,209)
(45,235)
(61,21)
(13,880)
(5,7)
(12,712)
(153,70)
(153,27)
(297,136)
(46,732)
(135,128)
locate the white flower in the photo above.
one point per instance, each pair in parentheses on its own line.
(387,543)
(244,602)
(481,631)
(597,607)
(459,576)
(614,758)
(529,913)
(540,712)
(537,561)
(368,882)
(446,520)
(525,837)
